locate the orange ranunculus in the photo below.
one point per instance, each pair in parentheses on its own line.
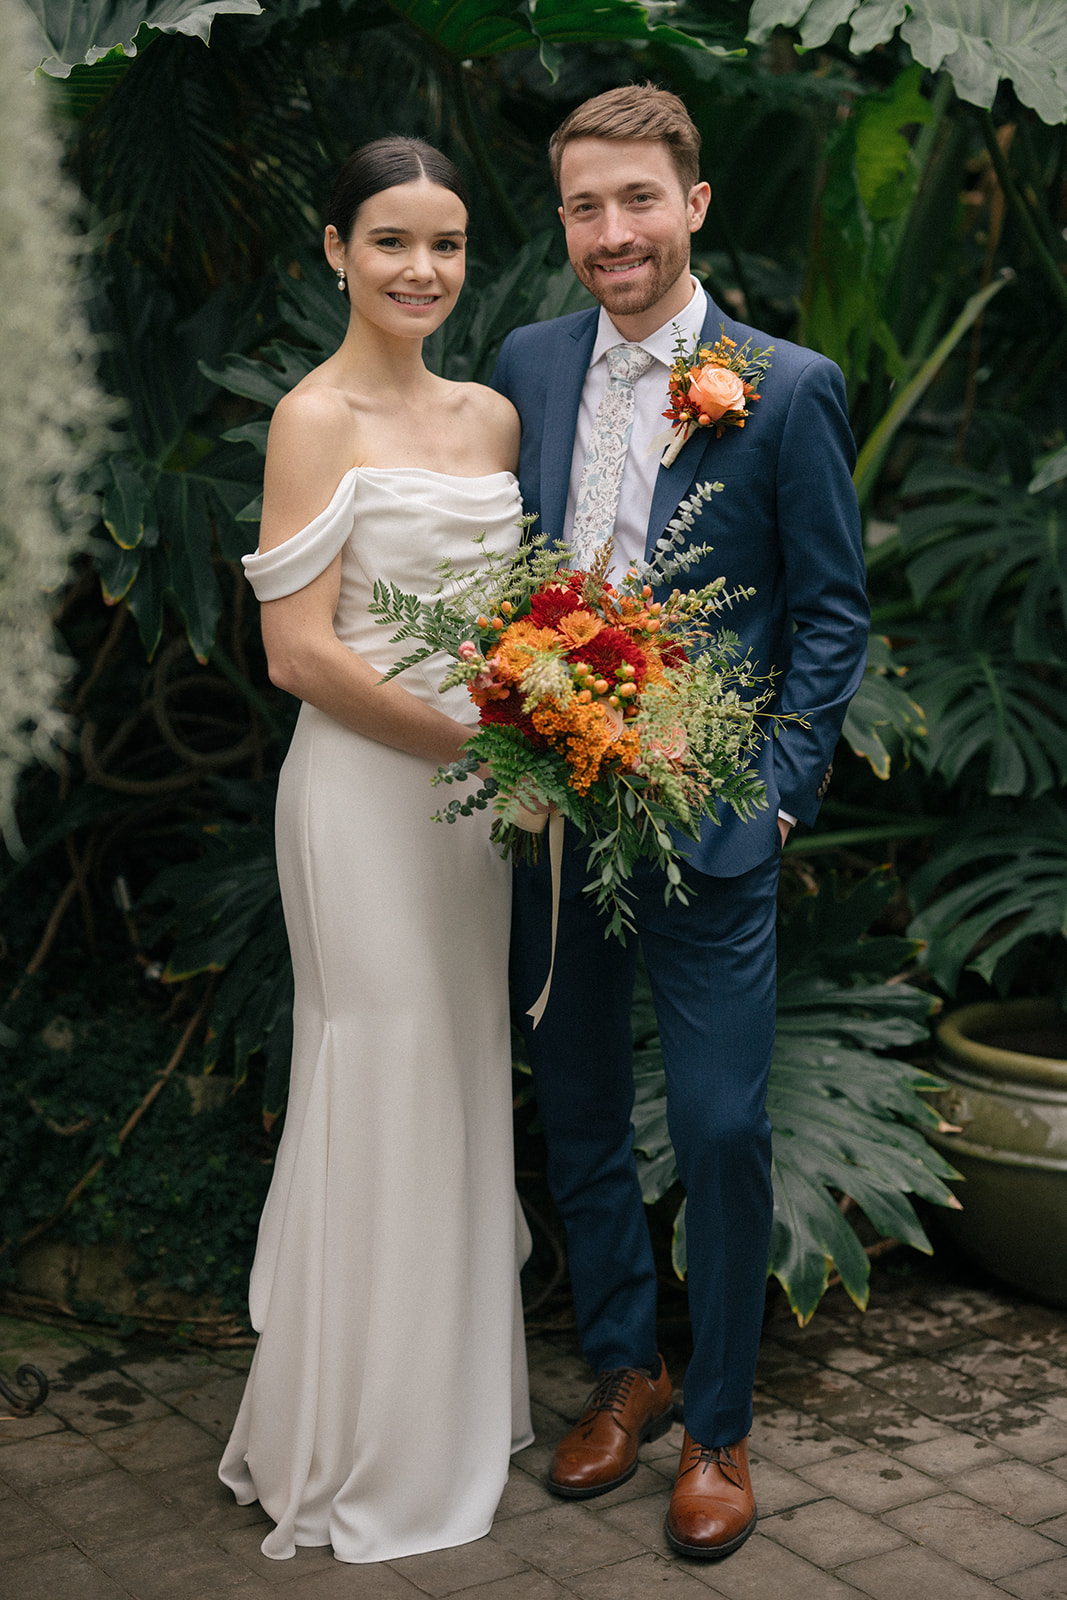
(715,390)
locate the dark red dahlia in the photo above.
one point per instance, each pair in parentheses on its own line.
(548,605)
(610,650)
(510,711)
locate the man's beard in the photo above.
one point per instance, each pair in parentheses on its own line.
(625,298)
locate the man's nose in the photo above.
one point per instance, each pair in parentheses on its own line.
(617,229)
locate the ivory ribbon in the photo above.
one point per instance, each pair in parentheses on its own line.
(670,441)
(555,858)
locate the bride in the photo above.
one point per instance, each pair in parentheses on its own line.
(388,1386)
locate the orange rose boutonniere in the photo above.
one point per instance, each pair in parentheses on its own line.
(712,386)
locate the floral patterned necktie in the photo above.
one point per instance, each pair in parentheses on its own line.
(605,456)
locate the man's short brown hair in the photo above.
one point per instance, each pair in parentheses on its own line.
(637,111)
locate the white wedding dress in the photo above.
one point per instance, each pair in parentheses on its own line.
(388,1386)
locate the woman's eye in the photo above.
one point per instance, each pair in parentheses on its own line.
(448,247)
(389,243)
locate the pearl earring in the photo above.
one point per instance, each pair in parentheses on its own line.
(341,279)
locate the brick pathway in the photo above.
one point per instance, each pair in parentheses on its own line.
(915,1453)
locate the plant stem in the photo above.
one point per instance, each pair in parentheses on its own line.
(851,838)
(877,446)
(1042,255)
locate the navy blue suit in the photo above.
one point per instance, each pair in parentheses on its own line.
(786,524)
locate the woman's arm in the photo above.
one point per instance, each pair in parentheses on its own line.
(312,445)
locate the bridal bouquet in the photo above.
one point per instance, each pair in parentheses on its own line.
(628,714)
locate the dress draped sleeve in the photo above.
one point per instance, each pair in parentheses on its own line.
(296,563)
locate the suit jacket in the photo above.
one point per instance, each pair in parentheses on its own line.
(786,524)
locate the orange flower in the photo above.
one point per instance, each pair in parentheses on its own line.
(715,390)
(518,645)
(577,628)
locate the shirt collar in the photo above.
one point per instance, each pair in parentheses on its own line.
(660,345)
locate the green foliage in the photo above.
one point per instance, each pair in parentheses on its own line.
(987,708)
(884,721)
(993,892)
(1000,546)
(171,496)
(977,45)
(70,32)
(846,1115)
(225,916)
(872,177)
(183,1191)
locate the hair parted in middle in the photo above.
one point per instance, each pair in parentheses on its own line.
(636,111)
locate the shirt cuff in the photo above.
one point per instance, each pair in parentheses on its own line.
(784,815)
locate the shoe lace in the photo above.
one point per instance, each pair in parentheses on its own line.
(715,1455)
(612,1391)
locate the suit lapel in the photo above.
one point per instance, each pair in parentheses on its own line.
(675,482)
(561,420)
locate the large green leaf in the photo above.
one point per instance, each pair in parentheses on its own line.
(846,1114)
(73,32)
(871,177)
(883,721)
(1001,546)
(985,707)
(1006,872)
(465,29)
(978,42)
(172,497)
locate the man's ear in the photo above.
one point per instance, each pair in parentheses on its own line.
(697,205)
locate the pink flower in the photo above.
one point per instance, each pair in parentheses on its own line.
(672,749)
(467,650)
(715,390)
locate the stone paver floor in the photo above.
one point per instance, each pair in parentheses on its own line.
(917,1452)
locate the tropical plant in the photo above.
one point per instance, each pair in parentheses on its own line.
(846,1115)
(891,191)
(990,899)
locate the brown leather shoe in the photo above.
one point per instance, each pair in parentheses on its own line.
(626,1409)
(713,1509)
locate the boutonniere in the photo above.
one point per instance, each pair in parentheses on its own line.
(712,386)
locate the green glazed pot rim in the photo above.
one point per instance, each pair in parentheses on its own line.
(960,1037)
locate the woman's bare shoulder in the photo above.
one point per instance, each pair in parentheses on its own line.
(313,442)
(495,417)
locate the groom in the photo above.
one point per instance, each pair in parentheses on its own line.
(590,390)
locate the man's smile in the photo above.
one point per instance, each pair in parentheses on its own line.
(619,268)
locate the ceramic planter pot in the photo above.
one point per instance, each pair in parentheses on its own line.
(1005,1063)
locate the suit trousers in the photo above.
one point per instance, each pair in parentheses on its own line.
(712,970)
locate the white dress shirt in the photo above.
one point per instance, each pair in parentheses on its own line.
(650,401)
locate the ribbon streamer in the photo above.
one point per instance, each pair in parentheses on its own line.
(555,858)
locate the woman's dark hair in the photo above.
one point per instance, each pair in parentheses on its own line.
(383,164)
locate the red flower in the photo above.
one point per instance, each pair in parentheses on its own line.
(549,604)
(510,711)
(610,650)
(671,653)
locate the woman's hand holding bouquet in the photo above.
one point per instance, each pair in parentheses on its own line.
(629,714)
